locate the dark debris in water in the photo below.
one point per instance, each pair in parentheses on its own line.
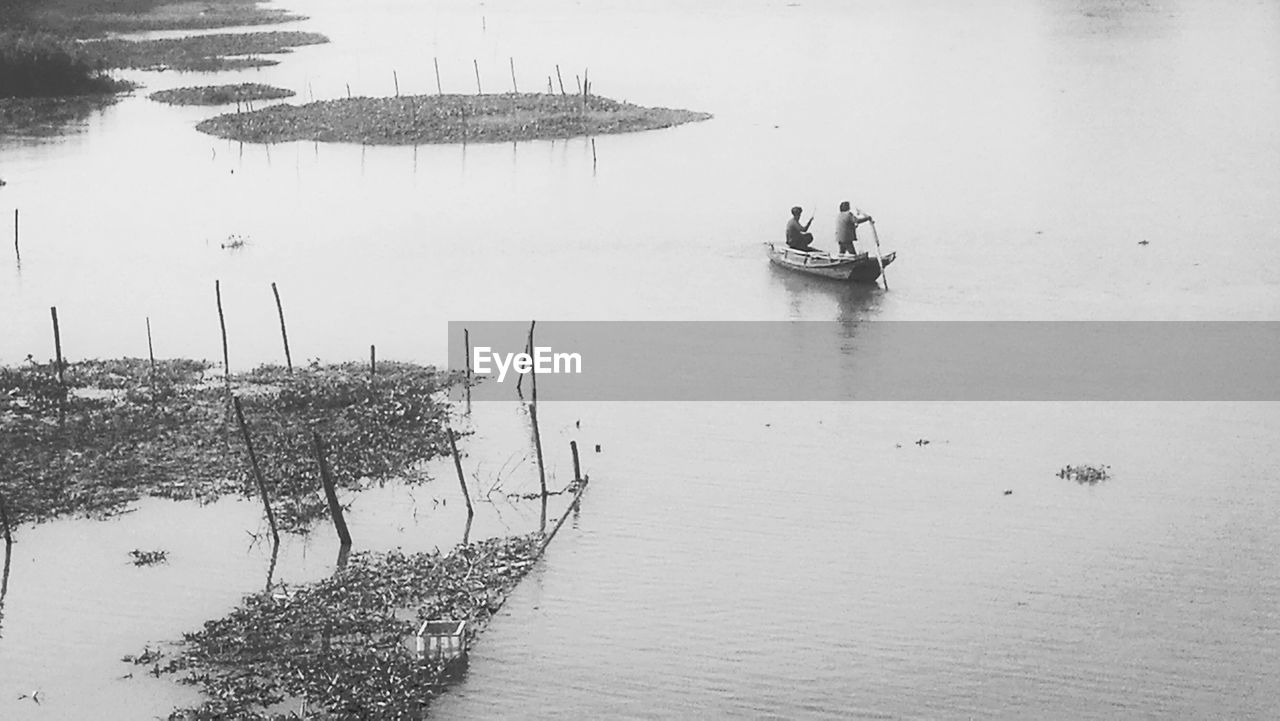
(339,644)
(117,434)
(148,558)
(1086,473)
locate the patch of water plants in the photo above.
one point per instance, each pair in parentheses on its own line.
(220,94)
(116,430)
(217,51)
(427,119)
(341,646)
(1083,474)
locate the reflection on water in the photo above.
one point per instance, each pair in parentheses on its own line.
(791,560)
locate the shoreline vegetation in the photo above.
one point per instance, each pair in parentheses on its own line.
(92,18)
(428,119)
(115,431)
(50,80)
(220,94)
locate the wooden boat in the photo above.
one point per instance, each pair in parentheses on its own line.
(862,267)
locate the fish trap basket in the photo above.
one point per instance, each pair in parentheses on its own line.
(442,640)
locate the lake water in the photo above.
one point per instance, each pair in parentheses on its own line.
(730,559)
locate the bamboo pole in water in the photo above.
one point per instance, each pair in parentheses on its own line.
(222,322)
(284,332)
(396,77)
(439,89)
(514,89)
(476,65)
(577,469)
(466,342)
(4,521)
(373,361)
(57,344)
(257,472)
(457,464)
(151,351)
(560,79)
(17,251)
(330,491)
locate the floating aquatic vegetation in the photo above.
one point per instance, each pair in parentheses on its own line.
(234,242)
(444,119)
(148,558)
(93,17)
(341,643)
(201,52)
(1085,474)
(220,94)
(117,432)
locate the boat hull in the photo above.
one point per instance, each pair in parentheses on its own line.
(861,268)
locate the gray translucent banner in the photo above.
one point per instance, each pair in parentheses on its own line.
(877,360)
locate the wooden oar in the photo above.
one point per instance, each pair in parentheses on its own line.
(879,257)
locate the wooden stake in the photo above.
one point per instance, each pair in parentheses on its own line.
(466,340)
(57,344)
(559,78)
(151,351)
(396,78)
(16,250)
(330,491)
(257,472)
(577,498)
(439,90)
(514,89)
(550,88)
(537,447)
(577,470)
(476,65)
(373,361)
(284,333)
(593,152)
(533,371)
(222,322)
(457,464)
(4,522)
(348,91)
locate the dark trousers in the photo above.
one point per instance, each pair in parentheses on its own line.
(805,243)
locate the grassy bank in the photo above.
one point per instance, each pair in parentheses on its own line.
(340,644)
(423,119)
(117,433)
(201,52)
(40,65)
(95,17)
(220,94)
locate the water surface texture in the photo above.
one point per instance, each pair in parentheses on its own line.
(806,560)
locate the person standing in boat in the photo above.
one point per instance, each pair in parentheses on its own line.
(798,236)
(847,228)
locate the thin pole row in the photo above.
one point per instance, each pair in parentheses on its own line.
(257,472)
